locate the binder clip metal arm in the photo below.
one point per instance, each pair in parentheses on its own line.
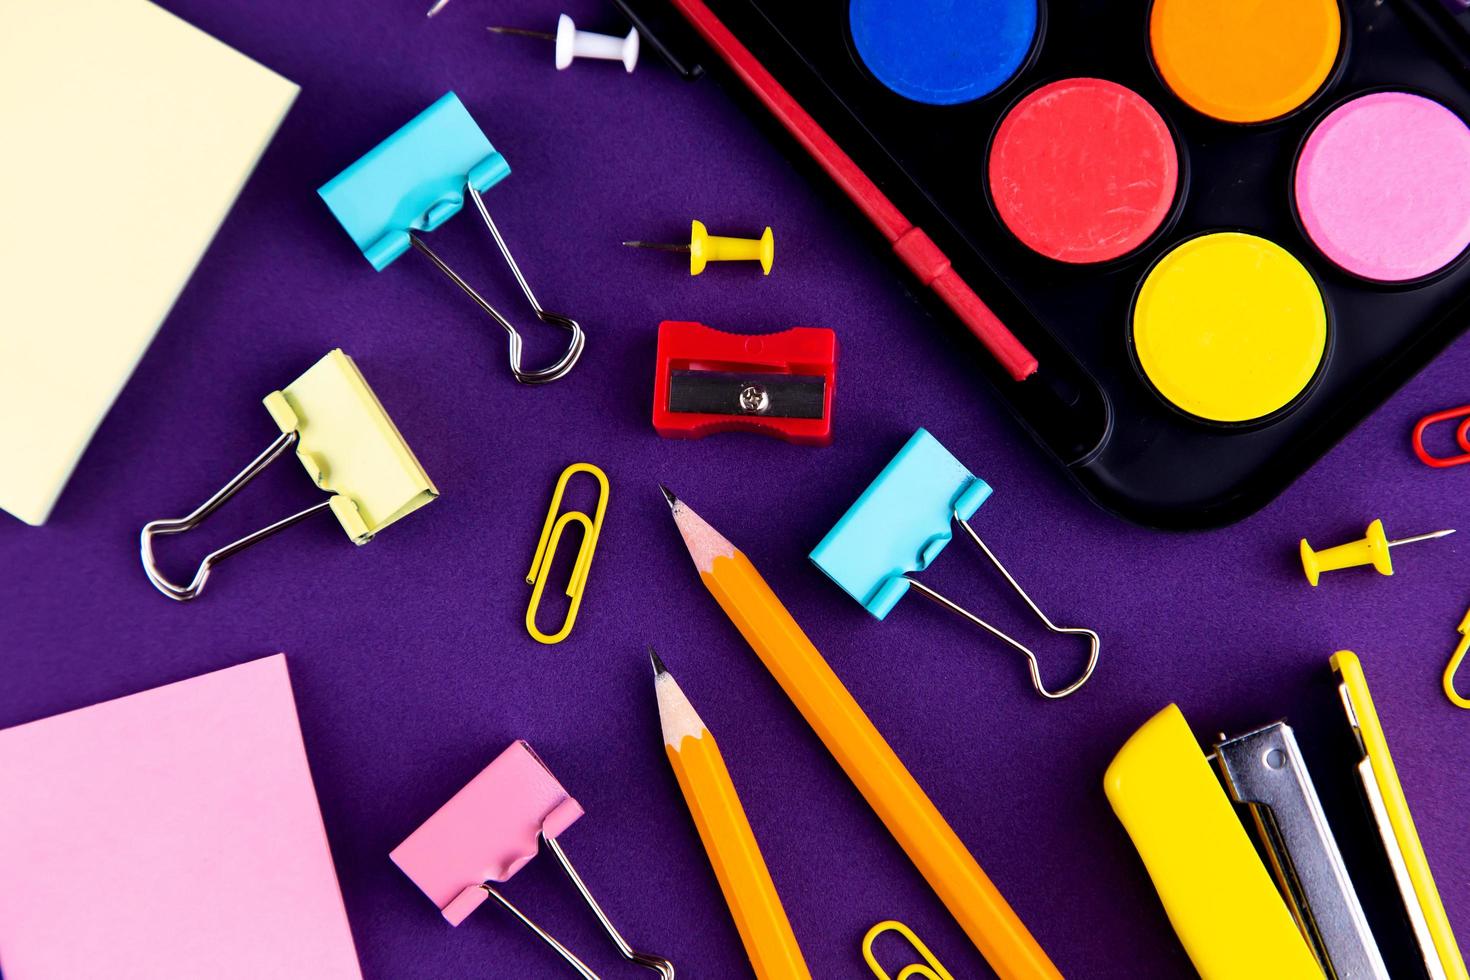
(348,445)
(1094,642)
(551,372)
(413,182)
(183,593)
(663,967)
(901,523)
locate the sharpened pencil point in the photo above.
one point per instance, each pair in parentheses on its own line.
(669,496)
(658,665)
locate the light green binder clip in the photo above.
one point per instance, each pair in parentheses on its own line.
(349,446)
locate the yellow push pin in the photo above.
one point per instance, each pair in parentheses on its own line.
(704,247)
(1371,550)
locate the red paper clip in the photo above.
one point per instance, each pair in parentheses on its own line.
(1462,436)
(776,384)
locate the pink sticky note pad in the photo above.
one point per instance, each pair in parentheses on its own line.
(173,833)
(486,832)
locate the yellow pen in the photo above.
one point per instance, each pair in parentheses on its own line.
(1390,809)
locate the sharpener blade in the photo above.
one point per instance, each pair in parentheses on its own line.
(786,396)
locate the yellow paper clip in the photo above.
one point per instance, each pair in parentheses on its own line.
(934,970)
(546,548)
(1454,665)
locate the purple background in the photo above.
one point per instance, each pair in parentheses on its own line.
(411,665)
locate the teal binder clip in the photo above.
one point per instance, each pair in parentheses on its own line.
(901,523)
(413,182)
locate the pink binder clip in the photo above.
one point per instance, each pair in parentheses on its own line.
(487,832)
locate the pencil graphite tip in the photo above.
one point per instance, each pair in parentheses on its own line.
(658,665)
(669,496)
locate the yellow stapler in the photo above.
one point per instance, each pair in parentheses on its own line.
(1229,916)
(1232,920)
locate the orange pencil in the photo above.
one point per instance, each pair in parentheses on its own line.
(862,752)
(726,834)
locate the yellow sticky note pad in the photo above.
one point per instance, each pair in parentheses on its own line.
(351,447)
(1222,903)
(128,134)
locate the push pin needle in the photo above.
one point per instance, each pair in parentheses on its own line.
(572,43)
(1372,549)
(704,247)
(522,32)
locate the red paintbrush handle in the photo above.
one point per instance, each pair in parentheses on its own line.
(913,246)
(932,267)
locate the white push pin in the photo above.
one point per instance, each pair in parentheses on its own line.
(572,43)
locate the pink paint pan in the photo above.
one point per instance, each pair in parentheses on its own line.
(1382,186)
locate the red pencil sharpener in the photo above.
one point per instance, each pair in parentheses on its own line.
(776,384)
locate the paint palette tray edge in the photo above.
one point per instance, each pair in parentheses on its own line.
(1090,406)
